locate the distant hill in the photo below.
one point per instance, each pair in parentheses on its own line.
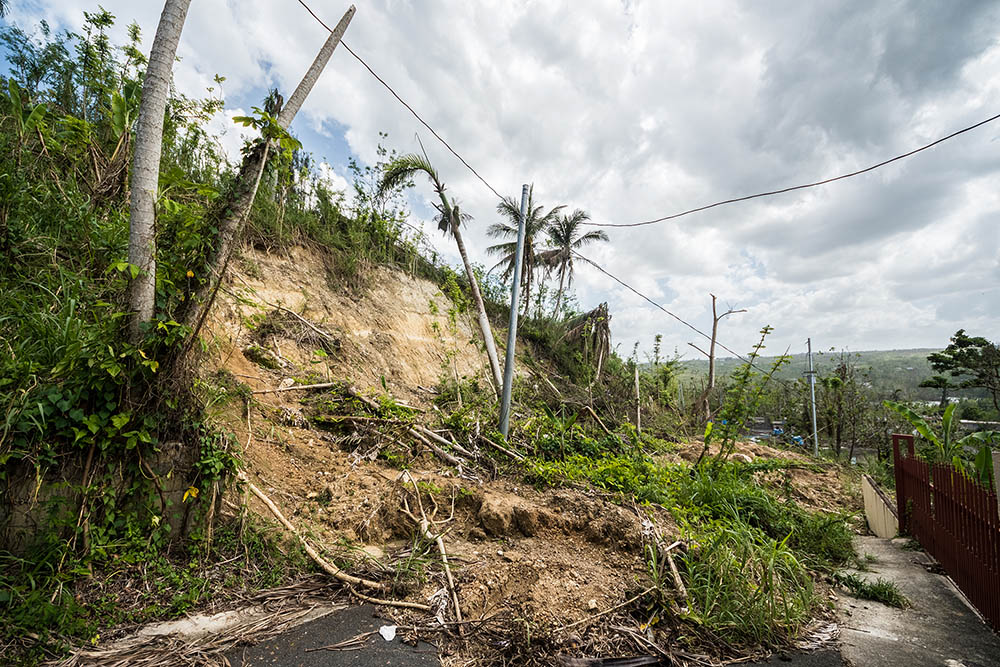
(887,370)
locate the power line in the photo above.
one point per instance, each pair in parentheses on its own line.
(797,187)
(676,317)
(404,103)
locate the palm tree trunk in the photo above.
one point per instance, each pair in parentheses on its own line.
(146,163)
(484,321)
(250,173)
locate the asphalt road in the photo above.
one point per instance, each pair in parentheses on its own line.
(298,647)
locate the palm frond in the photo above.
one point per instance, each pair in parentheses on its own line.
(403,168)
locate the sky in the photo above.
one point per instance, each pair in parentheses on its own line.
(636,109)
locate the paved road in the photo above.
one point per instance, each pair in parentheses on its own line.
(291,649)
(938,630)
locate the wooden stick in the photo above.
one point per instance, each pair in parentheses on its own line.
(593,414)
(512,454)
(678,583)
(326,566)
(392,603)
(294,387)
(440,453)
(606,611)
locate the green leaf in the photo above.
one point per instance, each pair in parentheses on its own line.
(34,118)
(120,419)
(14,95)
(984,464)
(916,421)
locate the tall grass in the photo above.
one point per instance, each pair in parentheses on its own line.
(744,586)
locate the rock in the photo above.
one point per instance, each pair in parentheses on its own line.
(495,517)
(526,521)
(373,552)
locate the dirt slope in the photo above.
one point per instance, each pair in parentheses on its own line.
(545,560)
(398,328)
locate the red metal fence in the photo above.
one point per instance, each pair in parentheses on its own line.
(956,520)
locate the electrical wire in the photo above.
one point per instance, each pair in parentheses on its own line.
(656,220)
(676,317)
(797,187)
(405,104)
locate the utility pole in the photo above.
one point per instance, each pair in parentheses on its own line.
(515,292)
(812,396)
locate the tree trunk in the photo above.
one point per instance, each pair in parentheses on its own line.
(484,321)
(562,277)
(249,179)
(711,361)
(146,163)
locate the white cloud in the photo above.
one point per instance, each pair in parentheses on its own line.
(632,110)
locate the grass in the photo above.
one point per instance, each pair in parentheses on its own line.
(880,590)
(745,586)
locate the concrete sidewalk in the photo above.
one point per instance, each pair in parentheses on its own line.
(939,628)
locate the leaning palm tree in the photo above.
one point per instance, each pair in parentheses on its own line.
(450,219)
(536,223)
(565,241)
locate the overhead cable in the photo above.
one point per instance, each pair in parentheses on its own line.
(796,187)
(405,104)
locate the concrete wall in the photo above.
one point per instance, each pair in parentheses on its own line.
(879,510)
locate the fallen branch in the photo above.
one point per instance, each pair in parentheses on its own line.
(606,611)
(512,454)
(678,582)
(424,524)
(593,414)
(325,565)
(440,453)
(278,390)
(392,603)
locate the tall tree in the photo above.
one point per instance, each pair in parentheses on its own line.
(146,163)
(450,220)
(566,241)
(974,360)
(536,223)
(941,382)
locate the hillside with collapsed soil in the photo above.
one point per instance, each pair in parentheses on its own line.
(545,560)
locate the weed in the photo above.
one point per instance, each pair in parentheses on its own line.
(880,590)
(746,586)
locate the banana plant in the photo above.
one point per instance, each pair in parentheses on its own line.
(950,449)
(25,120)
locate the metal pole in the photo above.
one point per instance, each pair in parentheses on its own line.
(515,293)
(812,395)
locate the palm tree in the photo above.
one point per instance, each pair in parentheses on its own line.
(565,241)
(146,162)
(536,223)
(450,219)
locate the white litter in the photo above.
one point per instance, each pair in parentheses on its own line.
(388,632)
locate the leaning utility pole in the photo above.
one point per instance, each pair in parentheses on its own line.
(508,371)
(812,396)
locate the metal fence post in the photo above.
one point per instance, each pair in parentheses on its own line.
(515,292)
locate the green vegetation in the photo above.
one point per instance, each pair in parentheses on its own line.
(879,590)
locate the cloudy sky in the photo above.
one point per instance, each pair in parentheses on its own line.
(635,109)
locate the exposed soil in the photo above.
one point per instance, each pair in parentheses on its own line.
(545,559)
(389,331)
